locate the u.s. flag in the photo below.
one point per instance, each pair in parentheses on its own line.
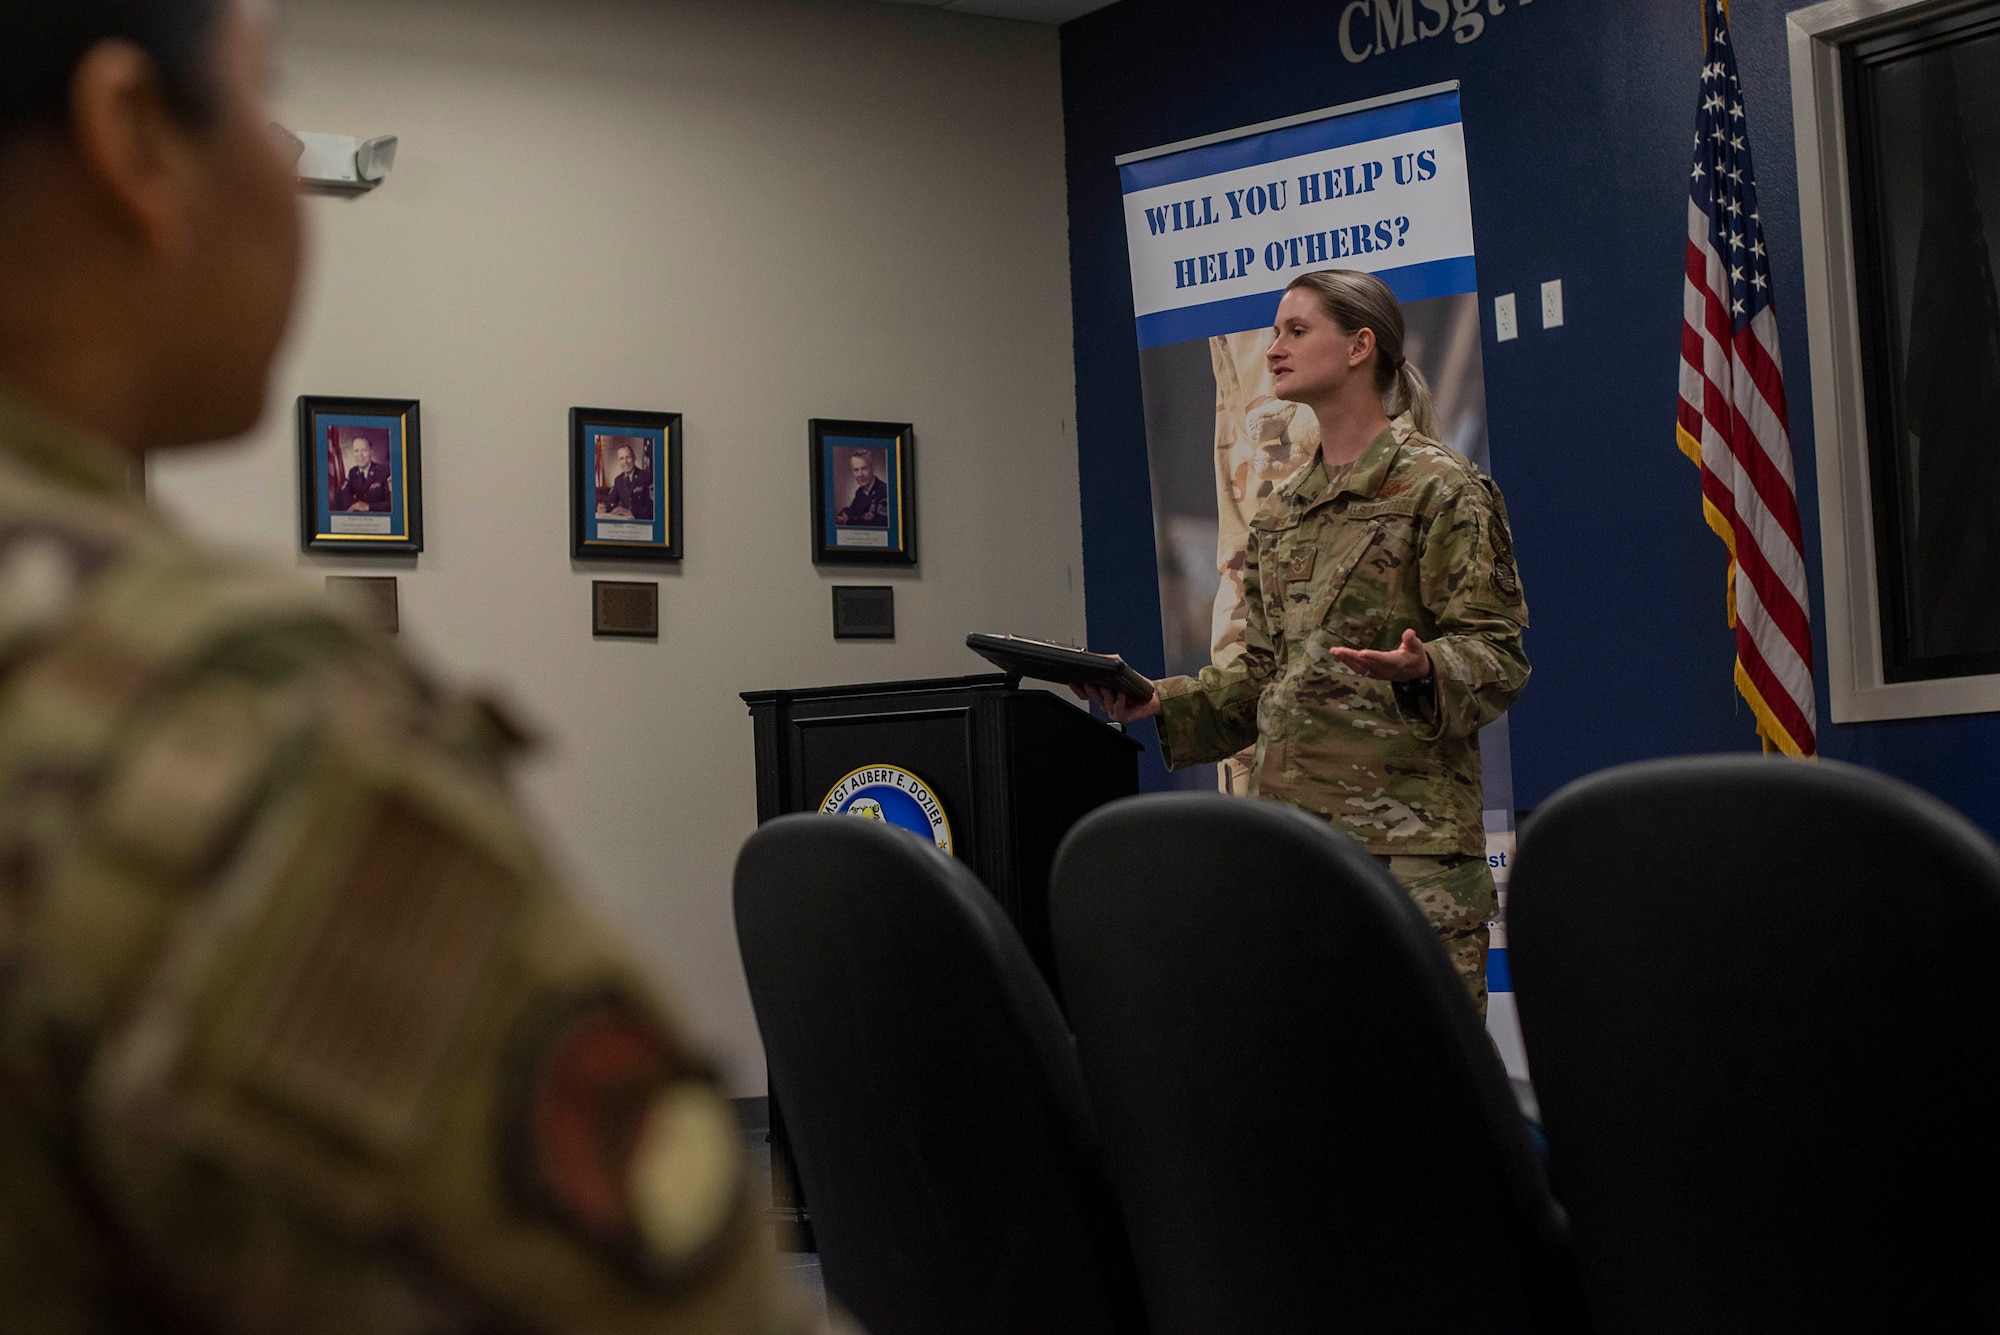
(1732,411)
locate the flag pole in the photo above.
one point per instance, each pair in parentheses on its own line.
(1732,420)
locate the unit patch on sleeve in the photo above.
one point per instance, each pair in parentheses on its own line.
(616,1137)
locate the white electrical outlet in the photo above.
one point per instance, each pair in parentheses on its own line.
(1552,303)
(1506,323)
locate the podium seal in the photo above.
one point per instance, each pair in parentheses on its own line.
(889,793)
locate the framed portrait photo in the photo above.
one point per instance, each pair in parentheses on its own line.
(360,488)
(864,487)
(624,485)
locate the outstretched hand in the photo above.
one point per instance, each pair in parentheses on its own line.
(1408,661)
(1118,706)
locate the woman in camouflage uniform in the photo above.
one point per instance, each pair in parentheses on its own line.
(1384,619)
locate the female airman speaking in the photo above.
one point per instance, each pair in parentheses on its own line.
(1384,619)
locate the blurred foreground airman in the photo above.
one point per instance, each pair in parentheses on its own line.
(298,1032)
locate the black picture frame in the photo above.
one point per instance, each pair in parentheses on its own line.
(330,428)
(891,452)
(615,536)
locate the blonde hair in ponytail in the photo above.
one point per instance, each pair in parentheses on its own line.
(1411,394)
(1356,301)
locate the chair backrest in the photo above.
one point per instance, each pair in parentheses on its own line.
(930,1090)
(1306,1125)
(1762,1010)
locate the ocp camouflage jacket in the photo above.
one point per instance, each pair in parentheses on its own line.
(291,1005)
(1409,536)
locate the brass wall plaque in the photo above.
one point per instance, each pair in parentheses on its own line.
(626,608)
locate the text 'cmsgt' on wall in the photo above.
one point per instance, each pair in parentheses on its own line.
(1377,27)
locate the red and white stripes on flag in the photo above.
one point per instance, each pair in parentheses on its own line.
(1732,411)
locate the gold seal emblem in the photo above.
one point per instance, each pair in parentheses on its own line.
(894,796)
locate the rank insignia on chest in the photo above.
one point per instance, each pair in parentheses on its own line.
(1301,565)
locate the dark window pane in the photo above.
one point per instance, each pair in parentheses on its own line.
(1924,142)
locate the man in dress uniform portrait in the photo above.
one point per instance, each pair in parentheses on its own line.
(367,485)
(630,495)
(870,506)
(299,1029)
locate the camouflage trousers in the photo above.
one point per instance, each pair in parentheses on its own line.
(1456,893)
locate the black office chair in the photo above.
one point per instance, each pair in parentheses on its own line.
(1761,1002)
(930,1090)
(1304,1120)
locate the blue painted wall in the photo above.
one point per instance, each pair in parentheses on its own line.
(1579,122)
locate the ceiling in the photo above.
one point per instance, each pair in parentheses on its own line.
(1032,11)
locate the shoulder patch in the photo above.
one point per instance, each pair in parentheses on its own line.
(350,1009)
(1499,504)
(1506,577)
(315,1009)
(614,1135)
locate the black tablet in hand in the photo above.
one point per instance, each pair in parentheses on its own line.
(1058,662)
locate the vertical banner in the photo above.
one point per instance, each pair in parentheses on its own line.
(1216,228)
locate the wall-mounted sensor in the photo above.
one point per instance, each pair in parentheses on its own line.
(342,162)
(375,158)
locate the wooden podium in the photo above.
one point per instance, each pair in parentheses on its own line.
(1012,769)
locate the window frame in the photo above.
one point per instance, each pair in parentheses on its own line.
(1858,685)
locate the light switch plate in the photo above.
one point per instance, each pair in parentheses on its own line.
(1506,324)
(1552,303)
